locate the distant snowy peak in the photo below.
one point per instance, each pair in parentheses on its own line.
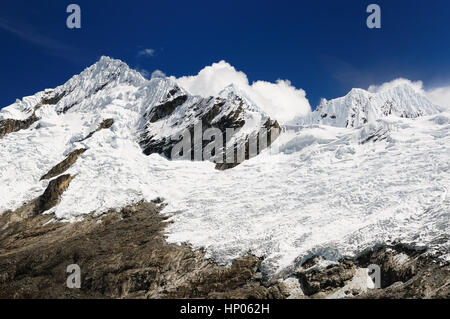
(359,107)
(233,92)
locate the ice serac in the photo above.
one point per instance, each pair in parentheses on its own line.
(359,107)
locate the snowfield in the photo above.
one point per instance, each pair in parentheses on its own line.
(321,189)
(324,193)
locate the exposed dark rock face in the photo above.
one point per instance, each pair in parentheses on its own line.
(432,281)
(106,124)
(404,272)
(121,255)
(52,194)
(53,97)
(49,199)
(207,111)
(9,125)
(314,280)
(161,111)
(64,165)
(152,144)
(388,259)
(407,273)
(273,131)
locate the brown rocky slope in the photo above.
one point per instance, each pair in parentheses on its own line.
(121,255)
(125,255)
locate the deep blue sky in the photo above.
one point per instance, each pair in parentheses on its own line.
(322,46)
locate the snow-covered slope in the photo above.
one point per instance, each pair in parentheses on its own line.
(329,190)
(359,107)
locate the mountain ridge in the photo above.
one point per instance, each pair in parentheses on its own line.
(360,106)
(352,110)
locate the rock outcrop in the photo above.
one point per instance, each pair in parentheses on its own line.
(52,194)
(314,280)
(106,124)
(407,273)
(404,273)
(180,114)
(10,125)
(64,165)
(270,129)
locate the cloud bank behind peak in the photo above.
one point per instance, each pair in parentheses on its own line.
(280,100)
(439,95)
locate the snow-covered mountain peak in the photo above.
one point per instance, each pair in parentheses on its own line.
(357,91)
(233,91)
(93,88)
(106,71)
(106,75)
(108,67)
(359,107)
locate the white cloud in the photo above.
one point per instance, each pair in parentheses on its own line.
(439,96)
(418,86)
(158,74)
(144,73)
(280,100)
(147,52)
